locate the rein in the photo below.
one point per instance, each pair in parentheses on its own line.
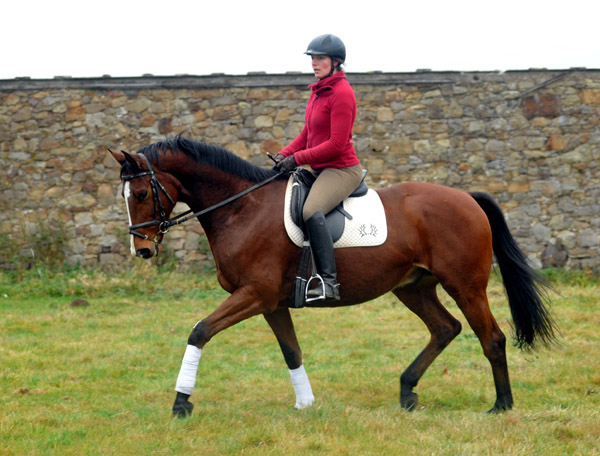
(176,220)
(164,224)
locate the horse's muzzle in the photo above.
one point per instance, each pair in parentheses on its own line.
(146,248)
(144,253)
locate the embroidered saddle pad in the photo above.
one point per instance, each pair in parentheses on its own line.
(366,227)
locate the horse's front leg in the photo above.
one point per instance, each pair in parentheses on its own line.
(244,303)
(281,323)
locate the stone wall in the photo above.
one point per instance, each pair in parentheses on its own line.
(529,138)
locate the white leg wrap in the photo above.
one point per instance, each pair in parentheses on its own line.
(189,367)
(304,394)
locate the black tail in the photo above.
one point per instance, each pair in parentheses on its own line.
(524,286)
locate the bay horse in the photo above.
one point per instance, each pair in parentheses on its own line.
(436,235)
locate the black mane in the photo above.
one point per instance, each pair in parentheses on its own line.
(208,154)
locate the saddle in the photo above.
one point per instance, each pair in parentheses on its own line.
(336,219)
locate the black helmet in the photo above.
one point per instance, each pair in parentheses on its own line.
(329,45)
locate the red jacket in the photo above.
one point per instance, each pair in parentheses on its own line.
(326,139)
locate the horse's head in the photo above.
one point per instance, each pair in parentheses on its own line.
(150,196)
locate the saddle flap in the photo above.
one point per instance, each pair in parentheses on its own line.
(302,182)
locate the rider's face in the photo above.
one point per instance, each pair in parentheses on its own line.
(321,65)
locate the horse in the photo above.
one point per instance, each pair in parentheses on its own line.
(437,235)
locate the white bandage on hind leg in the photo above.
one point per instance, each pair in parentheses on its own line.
(189,368)
(304,394)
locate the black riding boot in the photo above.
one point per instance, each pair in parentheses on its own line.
(322,250)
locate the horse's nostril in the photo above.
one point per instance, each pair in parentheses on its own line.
(143,253)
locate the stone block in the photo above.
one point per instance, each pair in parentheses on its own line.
(541,232)
(474,145)
(263,121)
(271,146)
(556,142)
(75,113)
(385,115)
(476,162)
(224,112)
(496,187)
(573,157)
(401,146)
(375,166)
(518,187)
(590,96)
(147,121)
(493,145)
(139,105)
(258,94)
(239,148)
(588,238)
(105,194)
(540,105)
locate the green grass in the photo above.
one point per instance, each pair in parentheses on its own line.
(98,379)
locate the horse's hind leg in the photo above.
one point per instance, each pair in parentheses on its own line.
(281,323)
(474,304)
(443,327)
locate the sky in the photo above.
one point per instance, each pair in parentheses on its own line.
(49,38)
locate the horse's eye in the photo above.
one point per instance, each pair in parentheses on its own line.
(141,196)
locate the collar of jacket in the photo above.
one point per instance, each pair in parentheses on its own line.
(327,84)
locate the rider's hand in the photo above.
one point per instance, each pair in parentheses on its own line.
(277,159)
(286,165)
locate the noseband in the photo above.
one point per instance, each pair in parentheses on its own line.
(162,222)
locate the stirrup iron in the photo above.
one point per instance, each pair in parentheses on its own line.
(321,284)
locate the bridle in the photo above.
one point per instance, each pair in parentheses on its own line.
(164,223)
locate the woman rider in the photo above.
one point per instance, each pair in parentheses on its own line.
(325,144)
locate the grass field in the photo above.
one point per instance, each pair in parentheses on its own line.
(99,379)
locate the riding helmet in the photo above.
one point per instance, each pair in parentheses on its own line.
(327,44)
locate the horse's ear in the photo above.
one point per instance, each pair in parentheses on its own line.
(123,157)
(130,160)
(119,156)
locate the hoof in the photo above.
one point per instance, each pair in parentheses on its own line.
(409,401)
(499,409)
(182,408)
(501,406)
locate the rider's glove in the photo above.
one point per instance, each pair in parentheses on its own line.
(286,165)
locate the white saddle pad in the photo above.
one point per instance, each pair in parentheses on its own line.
(367,228)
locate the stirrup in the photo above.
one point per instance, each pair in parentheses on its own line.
(320,286)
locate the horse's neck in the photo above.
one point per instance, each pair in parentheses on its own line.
(235,218)
(202,185)
(205,186)
(213,187)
